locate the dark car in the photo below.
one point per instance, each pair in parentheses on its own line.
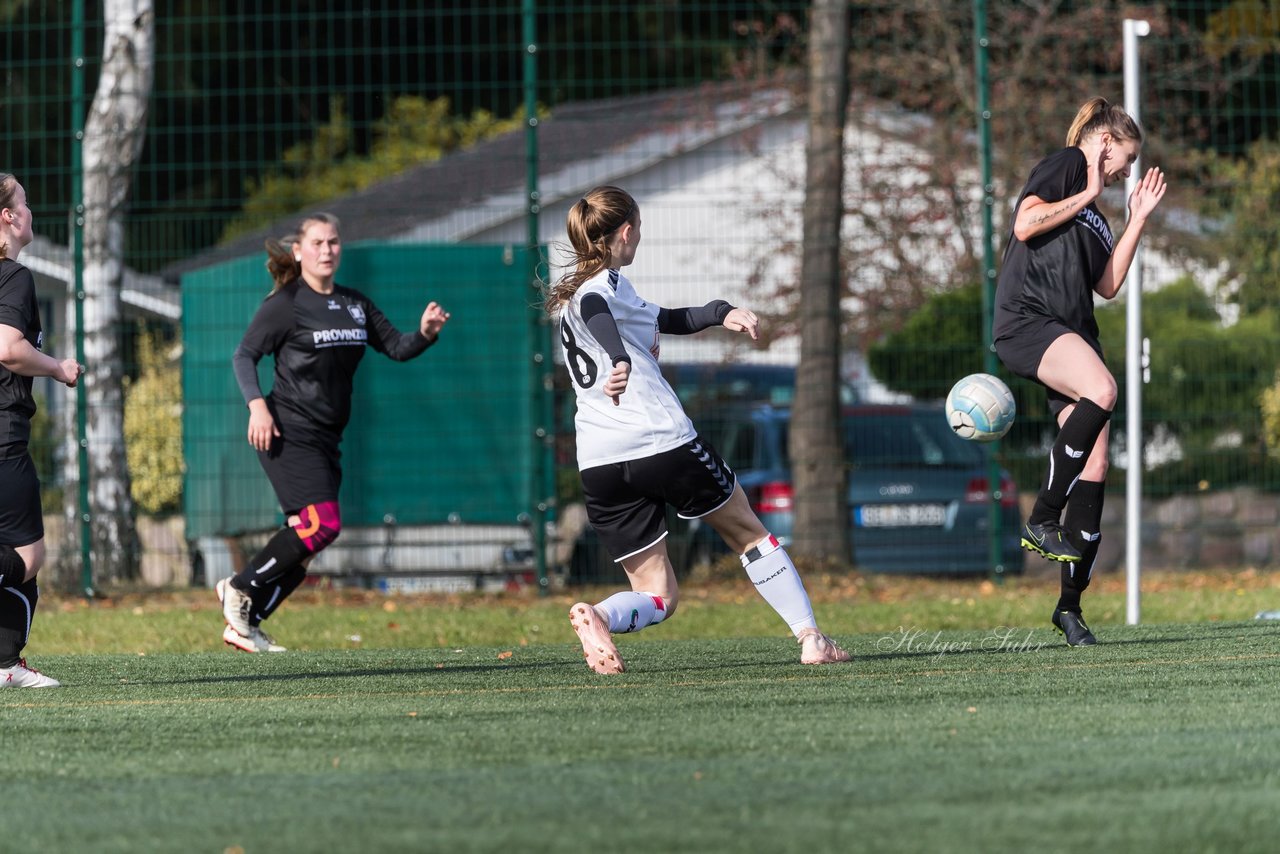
(702,386)
(917,493)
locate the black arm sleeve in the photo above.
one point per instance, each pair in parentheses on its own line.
(266,333)
(601,323)
(686,321)
(385,338)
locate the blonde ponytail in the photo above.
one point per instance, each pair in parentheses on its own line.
(1097,115)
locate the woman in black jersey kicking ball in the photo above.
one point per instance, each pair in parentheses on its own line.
(1061,253)
(637,450)
(22,549)
(317,330)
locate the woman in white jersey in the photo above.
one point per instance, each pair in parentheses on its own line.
(639,452)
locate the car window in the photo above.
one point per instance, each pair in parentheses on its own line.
(907,439)
(732,434)
(702,385)
(739,450)
(903,438)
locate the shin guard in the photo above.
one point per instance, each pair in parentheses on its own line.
(775,577)
(1083,524)
(633,611)
(1067,459)
(311,530)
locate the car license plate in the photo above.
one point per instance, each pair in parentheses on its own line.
(901,515)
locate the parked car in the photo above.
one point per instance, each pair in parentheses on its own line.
(917,493)
(703,385)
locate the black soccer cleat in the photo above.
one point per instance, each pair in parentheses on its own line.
(1048,539)
(1071,625)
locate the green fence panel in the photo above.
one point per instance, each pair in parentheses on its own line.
(445,437)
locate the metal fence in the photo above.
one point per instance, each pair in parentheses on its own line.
(479,123)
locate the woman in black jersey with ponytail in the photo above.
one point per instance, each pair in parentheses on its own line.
(22,550)
(1062,252)
(317,330)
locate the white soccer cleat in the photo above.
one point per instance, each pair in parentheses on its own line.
(265,642)
(259,641)
(597,644)
(22,676)
(817,648)
(234,639)
(235,607)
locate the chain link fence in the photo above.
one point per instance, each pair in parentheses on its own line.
(479,123)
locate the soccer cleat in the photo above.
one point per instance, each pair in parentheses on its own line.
(235,607)
(265,642)
(1071,625)
(232,638)
(259,641)
(22,676)
(597,644)
(1049,540)
(817,648)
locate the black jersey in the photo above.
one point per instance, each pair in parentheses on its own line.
(1053,274)
(317,341)
(18,308)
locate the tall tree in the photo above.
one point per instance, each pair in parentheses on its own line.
(114,132)
(817,453)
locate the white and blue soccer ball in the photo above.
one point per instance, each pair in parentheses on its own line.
(980,408)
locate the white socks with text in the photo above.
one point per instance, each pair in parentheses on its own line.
(632,611)
(775,576)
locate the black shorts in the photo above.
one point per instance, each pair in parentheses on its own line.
(627,502)
(303,467)
(1022,347)
(21,519)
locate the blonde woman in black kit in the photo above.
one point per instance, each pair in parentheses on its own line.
(21,522)
(318,331)
(1062,252)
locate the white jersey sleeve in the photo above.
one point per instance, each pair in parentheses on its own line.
(648,418)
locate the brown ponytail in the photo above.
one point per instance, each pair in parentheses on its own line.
(1097,115)
(592,220)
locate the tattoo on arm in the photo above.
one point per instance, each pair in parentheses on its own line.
(1051,214)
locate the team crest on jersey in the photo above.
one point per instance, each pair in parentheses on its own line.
(357,313)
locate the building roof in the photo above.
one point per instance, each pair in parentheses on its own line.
(143,295)
(488,180)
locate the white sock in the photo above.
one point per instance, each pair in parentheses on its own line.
(633,611)
(775,576)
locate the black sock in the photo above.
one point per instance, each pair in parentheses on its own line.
(1067,459)
(17,610)
(1083,524)
(13,569)
(284,552)
(267,599)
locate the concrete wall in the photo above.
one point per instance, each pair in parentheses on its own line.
(1232,529)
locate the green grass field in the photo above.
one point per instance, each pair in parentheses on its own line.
(1165,737)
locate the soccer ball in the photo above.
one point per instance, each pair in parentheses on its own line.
(980,407)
